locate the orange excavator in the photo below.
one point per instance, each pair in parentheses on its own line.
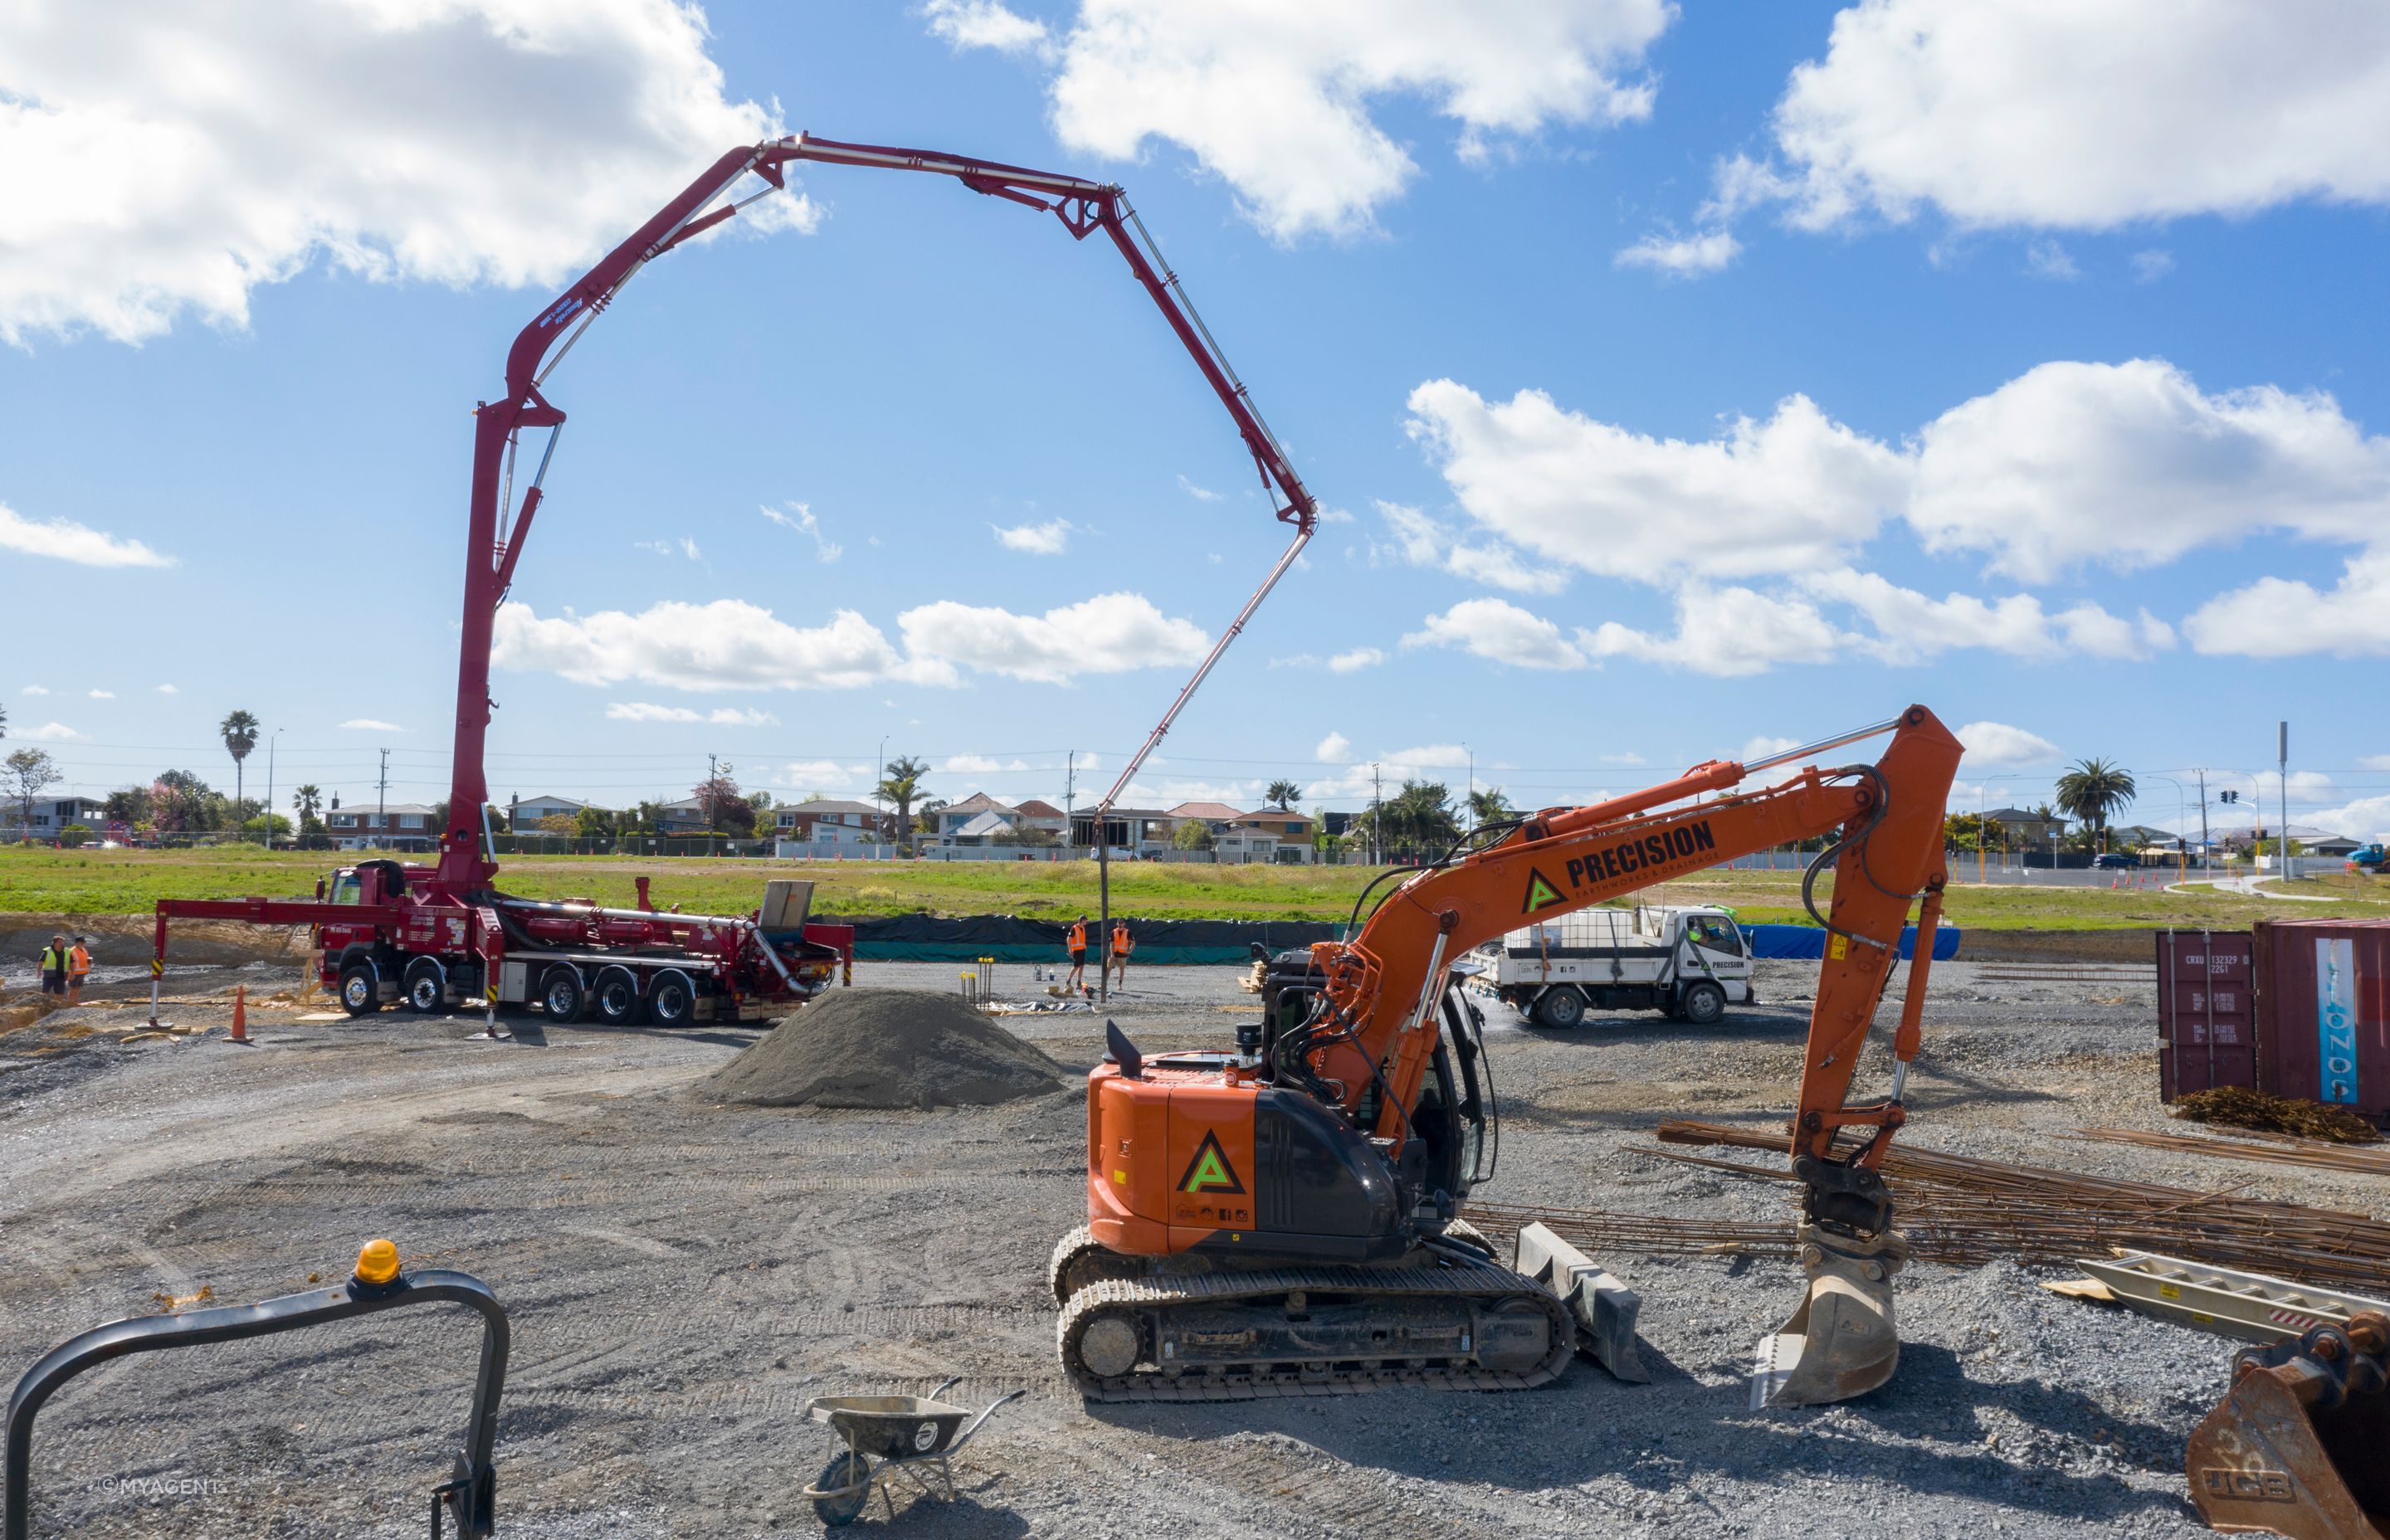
(1288,1217)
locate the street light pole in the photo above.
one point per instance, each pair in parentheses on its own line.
(879,779)
(269,788)
(2282,839)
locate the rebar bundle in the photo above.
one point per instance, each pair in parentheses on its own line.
(2290,1151)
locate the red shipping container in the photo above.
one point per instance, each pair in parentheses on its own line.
(2323,1012)
(2205,1014)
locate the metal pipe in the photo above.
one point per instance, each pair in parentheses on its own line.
(1806,750)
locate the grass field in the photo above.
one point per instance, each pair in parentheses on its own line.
(34,880)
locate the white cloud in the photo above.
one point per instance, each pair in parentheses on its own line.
(1050,538)
(60,538)
(1626,757)
(800,517)
(2082,117)
(1357,659)
(1997,743)
(721,716)
(102,695)
(978,765)
(1911,627)
(1727,633)
(2281,617)
(168,689)
(2047,259)
(368,724)
(1202,494)
(1796,491)
(161,157)
(1421,541)
(688,548)
(1764,747)
(2367,818)
(723,644)
(1501,631)
(1681,256)
(35,690)
(815,775)
(2149,266)
(1108,634)
(2375,762)
(1333,749)
(1335,516)
(984,24)
(1277,100)
(51,732)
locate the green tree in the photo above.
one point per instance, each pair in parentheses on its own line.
(592,822)
(1416,823)
(1192,834)
(1282,795)
(181,804)
(309,801)
(1489,807)
(26,774)
(257,826)
(1962,831)
(900,782)
(2092,791)
(239,730)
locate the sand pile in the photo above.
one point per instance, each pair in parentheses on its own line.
(884,1047)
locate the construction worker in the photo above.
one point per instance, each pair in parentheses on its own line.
(54,967)
(78,970)
(1122,944)
(1078,943)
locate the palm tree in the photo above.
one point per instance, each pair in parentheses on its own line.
(2093,790)
(239,730)
(1282,795)
(900,783)
(307,801)
(1489,807)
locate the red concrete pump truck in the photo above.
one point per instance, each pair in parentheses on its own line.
(433,936)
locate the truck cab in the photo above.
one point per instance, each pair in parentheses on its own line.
(1687,962)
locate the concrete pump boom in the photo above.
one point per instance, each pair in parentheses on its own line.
(467,862)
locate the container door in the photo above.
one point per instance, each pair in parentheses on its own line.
(2205,1028)
(2324,1016)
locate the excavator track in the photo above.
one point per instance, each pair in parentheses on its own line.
(1144,1306)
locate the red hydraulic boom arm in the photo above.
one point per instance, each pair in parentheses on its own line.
(467,860)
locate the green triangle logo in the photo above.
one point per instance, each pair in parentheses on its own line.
(1210,1171)
(1541,895)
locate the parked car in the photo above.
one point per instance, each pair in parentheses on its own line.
(2115,860)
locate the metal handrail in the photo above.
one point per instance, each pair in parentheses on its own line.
(470,1495)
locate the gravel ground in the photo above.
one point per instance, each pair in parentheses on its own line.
(682,1276)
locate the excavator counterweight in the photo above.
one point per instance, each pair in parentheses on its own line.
(1288,1216)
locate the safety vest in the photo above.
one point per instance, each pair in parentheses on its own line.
(79,962)
(1120,940)
(1078,938)
(54,960)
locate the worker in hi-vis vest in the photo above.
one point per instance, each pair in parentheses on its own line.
(54,967)
(1122,944)
(1078,941)
(78,970)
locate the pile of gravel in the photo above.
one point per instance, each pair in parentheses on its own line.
(884,1047)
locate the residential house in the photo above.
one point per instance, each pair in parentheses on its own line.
(524,813)
(685,816)
(982,830)
(1042,816)
(1139,830)
(2017,829)
(51,815)
(393,826)
(1291,830)
(2311,839)
(826,821)
(954,816)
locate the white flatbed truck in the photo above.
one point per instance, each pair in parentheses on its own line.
(1687,962)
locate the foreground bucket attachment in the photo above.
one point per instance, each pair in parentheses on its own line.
(2300,1445)
(1841,1342)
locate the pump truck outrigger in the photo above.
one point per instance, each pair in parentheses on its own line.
(432,936)
(1286,1218)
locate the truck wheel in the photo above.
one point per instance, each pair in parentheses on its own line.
(360,989)
(616,997)
(1702,1004)
(425,988)
(672,999)
(560,994)
(1562,1009)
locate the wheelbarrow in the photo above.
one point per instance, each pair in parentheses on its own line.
(885,1435)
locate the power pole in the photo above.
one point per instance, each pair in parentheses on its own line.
(382,797)
(2283,839)
(1070,792)
(1376,818)
(2204,848)
(712,800)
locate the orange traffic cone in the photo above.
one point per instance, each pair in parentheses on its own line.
(241,1014)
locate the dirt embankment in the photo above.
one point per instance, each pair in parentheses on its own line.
(129,939)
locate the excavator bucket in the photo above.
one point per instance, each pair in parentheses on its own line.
(2300,1444)
(1841,1342)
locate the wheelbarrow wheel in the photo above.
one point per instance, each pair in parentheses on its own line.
(847,1468)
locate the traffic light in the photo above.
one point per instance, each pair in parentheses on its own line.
(2227,795)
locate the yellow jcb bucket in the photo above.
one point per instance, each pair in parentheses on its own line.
(1841,1342)
(2300,1444)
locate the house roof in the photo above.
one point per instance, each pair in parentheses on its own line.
(1089,816)
(985,825)
(687,805)
(560,802)
(1204,809)
(829,804)
(2021,815)
(394,809)
(1275,814)
(1037,809)
(978,801)
(2297,831)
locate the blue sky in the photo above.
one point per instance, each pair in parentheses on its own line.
(1680,380)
